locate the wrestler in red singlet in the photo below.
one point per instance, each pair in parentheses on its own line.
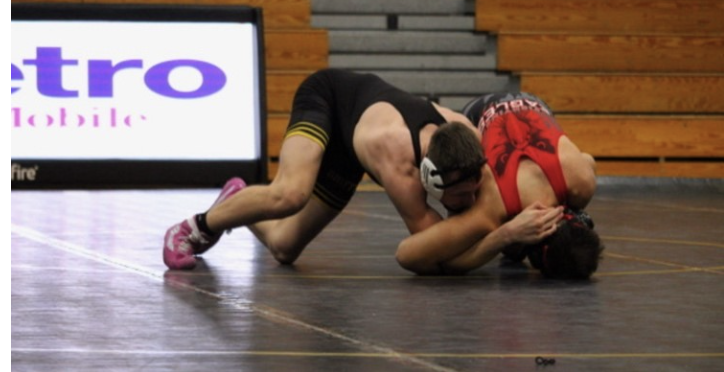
(516,126)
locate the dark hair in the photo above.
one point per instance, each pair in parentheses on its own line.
(572,252)
(455,147)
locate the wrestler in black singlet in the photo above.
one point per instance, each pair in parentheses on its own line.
(327,107)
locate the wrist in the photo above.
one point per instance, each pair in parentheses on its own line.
(507,236)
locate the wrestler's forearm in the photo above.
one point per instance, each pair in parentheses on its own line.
(480,253)
(424,252)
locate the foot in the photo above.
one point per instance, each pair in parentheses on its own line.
(184,240)
(179,243)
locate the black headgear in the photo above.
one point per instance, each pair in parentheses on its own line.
(431,177)
(538,253)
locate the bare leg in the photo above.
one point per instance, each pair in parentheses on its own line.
(290,191)
(286,238)
(288,194)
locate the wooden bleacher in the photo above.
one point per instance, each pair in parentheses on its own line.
(605,17)
(293,50)
(615,53)
(623,93)
(636,83)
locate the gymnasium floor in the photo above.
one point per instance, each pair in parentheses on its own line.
(90,292)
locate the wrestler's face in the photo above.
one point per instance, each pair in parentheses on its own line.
(461,196)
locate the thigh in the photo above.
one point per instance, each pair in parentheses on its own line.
(308,135)
(299,162)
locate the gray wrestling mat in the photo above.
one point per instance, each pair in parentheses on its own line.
(90,292)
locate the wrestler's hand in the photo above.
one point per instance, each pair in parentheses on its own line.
(534,223)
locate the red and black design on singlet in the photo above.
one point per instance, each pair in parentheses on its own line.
(517,126)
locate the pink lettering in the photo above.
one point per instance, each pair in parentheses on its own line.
(64,117)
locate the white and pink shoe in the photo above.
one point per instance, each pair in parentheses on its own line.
(184,240)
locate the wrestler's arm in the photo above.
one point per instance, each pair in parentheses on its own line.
(424,252)
(480,254)
(584,182)
(532,225)
(410,199)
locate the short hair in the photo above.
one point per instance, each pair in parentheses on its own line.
(455,147)
(572,252)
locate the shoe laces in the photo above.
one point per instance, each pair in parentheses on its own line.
(191,241)
(198,237)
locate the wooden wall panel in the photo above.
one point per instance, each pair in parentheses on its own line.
(296,49)
(646,136)
(610,53)
(280,88)
(602,16)
(276,128)
(703,169)
(628,93)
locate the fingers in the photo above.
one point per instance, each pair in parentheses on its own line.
(536,223)
(542,207)
(537,205)
(549,221)
(554,214)
(548,231)
(548,215)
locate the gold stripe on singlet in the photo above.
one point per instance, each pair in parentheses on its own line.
(309,130)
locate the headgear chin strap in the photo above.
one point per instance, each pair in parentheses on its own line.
(431,178)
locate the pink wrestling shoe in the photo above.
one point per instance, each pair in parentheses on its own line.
(184,240)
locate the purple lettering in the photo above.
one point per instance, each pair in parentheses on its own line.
(49,64)
(157,78)
(15,74)
(101,72)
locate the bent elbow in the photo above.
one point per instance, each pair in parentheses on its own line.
(415,263)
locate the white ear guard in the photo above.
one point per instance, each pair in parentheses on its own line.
(431,178)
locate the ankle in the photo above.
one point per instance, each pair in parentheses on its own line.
(203,226)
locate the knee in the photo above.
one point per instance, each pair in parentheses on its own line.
(284,252)
(286,202)
(285,258)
